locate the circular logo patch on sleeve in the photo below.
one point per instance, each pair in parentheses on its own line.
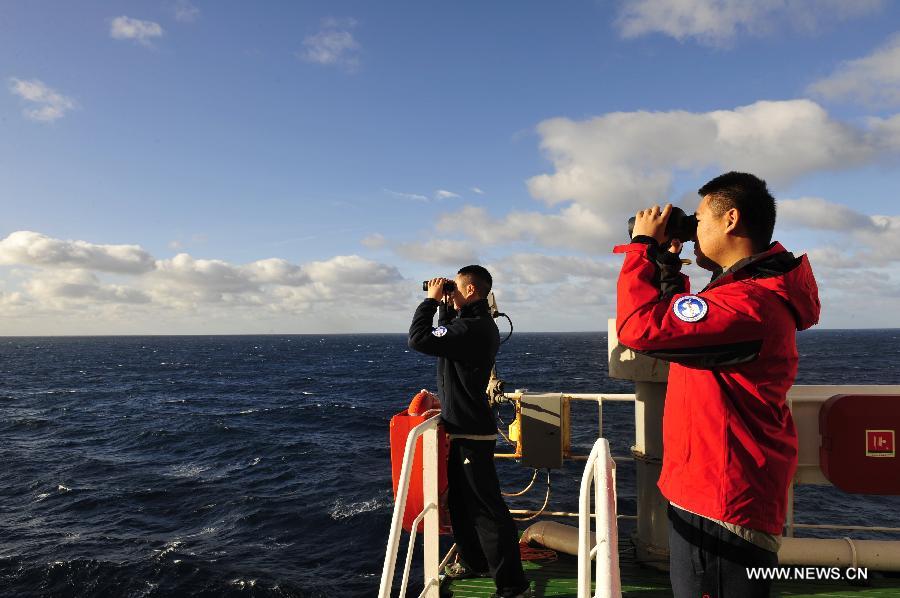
(690,308)
(439,331)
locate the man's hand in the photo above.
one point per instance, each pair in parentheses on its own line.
(436,288)
(652,223)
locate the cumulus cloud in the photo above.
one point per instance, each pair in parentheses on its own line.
(46,104)
(439,251)
(106,283)
(333,45)
(185,12)
(876,238)
(535,268)
(718,22)
(35,249)
(352,270)
(374,241)
(607,167)
(140,31)
(574,227)
(873,80)
(77,286)
(818,213)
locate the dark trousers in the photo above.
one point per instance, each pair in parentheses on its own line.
(485,534)
(708,561)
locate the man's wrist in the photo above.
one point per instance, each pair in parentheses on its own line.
(645,239)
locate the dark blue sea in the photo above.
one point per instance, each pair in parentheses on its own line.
(259,465)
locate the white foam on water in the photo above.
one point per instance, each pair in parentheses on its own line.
(62,488)
(170,547)
(243,584)
(254,462)
(341,510)
(188,470)
(41,497)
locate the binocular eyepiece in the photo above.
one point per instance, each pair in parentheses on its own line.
(680,226)
(449,286)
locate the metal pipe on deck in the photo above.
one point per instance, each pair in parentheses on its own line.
(878,555)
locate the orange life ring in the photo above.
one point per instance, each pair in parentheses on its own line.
(422,402)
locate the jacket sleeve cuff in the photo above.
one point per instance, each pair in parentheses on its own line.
(646,240)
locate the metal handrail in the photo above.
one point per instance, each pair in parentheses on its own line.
(428,429)
(606,550)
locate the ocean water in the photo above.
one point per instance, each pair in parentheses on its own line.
(259,465)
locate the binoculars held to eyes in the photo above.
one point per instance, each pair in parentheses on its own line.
(449,286)
(680,226)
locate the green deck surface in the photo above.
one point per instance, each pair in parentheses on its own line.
(558,579)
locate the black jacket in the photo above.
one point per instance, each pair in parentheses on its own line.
(465,347)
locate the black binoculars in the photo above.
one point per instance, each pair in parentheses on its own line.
(680,226)
(449,286)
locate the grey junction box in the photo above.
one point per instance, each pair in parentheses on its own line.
(541,430)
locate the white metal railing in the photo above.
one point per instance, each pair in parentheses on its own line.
(599,473)
(428,431)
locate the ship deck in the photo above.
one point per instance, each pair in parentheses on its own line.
(558,579)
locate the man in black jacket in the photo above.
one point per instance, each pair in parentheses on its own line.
(465,343)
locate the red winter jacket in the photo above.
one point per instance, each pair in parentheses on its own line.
(729,442)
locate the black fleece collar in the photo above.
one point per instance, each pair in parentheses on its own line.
(477,308)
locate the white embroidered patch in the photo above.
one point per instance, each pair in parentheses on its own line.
(690,308)
(466,462)
(439,331)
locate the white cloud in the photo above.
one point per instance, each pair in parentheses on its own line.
(333,45)
(876,239)
(352,270)
(48,104)
(718,22)
(185,12)
(873,80)
(477,190)
(818,213)
(374,241)
(574,227)
(412,196)
(35,249)
(79,286)
(444,194)
(439,251)
(608,167)
(140,31)
(536,269)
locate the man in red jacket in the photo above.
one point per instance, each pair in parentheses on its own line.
(729,442)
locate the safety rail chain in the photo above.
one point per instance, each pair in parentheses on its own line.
(599,473)
(428,431)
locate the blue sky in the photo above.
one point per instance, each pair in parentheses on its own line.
(191,167)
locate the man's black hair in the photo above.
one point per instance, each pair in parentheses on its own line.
(480,277)
(750,196)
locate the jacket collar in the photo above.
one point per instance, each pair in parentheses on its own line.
(774,252)
(477,308)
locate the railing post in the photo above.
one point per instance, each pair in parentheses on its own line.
(393,543)
(431,536)
(599,473)
(584,526)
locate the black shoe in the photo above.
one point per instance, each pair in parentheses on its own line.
(459,571)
